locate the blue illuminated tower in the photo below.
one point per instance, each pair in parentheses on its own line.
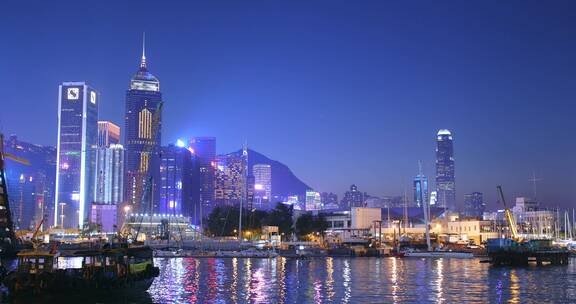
(445,181)
(76,153)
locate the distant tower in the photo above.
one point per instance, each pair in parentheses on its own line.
(142,101)
(474,205)
(76,156)
(445,181)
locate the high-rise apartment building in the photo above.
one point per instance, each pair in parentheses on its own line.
(142,138)
(229,185)
(445,181)
(262,185)
(76,153)
(108,134)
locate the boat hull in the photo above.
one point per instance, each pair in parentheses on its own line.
(440,254)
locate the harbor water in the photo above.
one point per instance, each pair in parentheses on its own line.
(352,280)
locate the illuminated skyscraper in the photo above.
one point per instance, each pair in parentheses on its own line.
(262,184)
(176,181)
(108,134)
(205,150)
(229,185)
(109,188)
(420,190)
(143,99)
(445,181)
(313,201)
(76,153)
(353,198)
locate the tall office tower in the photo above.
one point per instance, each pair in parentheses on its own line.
(250,184)
(474,205)
(109,187)
(76,156)
(176,181)
(262,184)
(352,198)
(205,150)
(420,190)
(142,138)
(445,182)
(108,133)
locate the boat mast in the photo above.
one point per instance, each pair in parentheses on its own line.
(424,205)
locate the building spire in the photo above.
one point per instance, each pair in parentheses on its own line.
(143,61)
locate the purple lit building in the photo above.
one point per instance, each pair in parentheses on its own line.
(104,215)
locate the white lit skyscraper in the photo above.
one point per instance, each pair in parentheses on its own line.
(76,153)
(445,181)
(262,182)
(109,188)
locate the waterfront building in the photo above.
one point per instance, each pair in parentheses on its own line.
(445,180)
(263,184)
(420,190)
(108,134)
(352,198)
(31,186)
(313,201)
(109,187)
(176,181)
(205,151)
(433,198)
(141,142)
(474,205)
(104,216)
(76,153)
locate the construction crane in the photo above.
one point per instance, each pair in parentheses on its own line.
(509,217)
(7,236)
(144,178)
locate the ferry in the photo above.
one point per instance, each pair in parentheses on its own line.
(108,270)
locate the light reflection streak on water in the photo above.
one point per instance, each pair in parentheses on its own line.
(346,281)
(192,279)
(514,287)
(317,291)
(212,280)
(330,279)
(257,294)
(282,279)
(394,279)
(234,287)
(247,278)
(440,280)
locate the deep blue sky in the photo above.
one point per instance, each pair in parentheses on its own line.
(341,91)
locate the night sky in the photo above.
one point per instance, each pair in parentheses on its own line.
(340,91)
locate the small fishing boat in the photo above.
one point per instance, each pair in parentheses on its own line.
(108,270)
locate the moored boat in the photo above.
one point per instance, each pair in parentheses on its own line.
(439,254)
(110,270)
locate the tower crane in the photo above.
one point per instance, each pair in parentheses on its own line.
(509,217)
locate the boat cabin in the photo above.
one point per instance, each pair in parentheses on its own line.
(37,262)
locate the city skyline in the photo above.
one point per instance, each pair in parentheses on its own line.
(495,131)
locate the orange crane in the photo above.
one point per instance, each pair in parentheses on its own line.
(509,217)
